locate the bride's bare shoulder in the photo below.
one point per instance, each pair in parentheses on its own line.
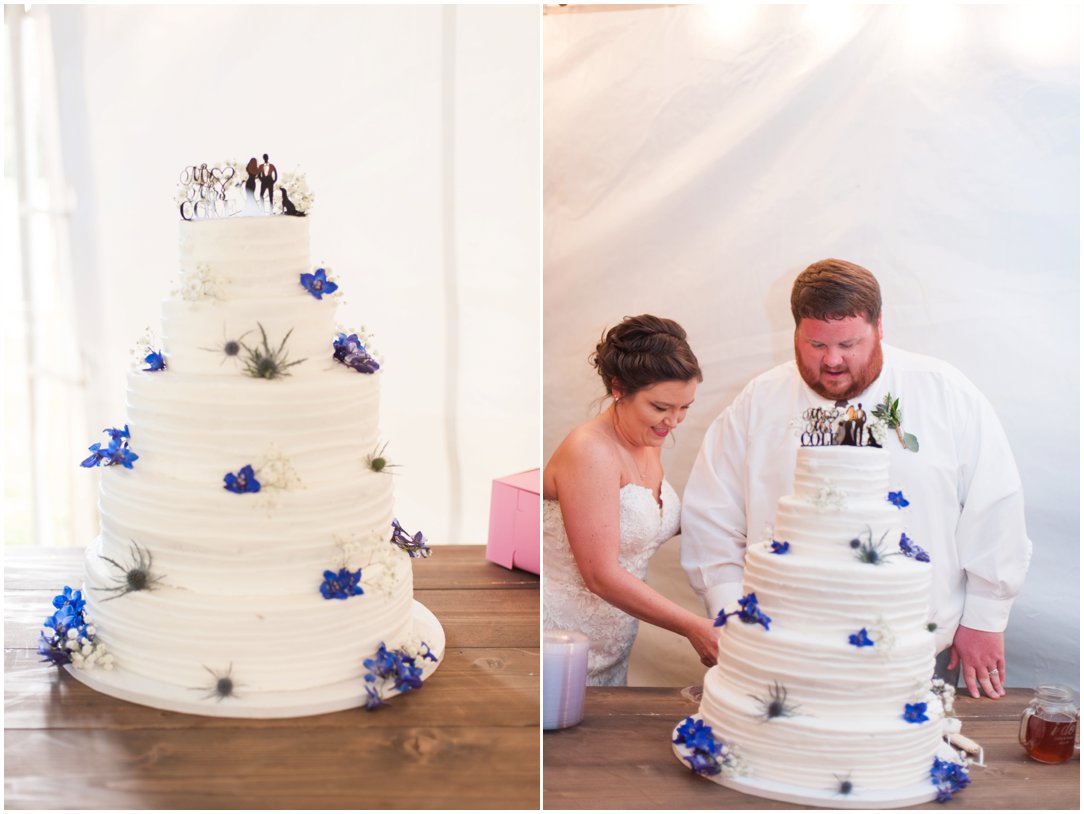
(588,445)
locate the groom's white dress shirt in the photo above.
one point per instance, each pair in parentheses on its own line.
(966,503)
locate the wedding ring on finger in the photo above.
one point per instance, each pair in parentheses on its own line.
(993,672)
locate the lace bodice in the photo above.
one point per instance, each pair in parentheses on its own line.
(568,605)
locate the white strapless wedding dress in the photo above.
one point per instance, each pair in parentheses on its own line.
(568,605)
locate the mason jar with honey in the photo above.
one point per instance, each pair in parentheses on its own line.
(1048,728)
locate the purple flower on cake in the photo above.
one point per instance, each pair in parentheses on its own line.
(860,639)
(243,481)
(747,612)
(397,667)
(341,585)
(910,549)
(318,284)
(350,351)
(415,546)
(116,453)
(155,361)
(67,637)
(780,548)
(948,777)
(898,500)
(915,713)
(706,756)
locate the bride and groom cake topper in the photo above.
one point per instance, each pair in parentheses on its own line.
(214,191)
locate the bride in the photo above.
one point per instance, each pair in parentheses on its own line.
(607,506)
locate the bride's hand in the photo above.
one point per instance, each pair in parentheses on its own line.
(705,640)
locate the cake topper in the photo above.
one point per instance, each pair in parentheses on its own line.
(851,425)
(229,188)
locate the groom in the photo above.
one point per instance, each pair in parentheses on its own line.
(967,504)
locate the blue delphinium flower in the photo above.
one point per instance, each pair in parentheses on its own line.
(415,546)
(68,615)
(243,481)
(910,549)
(860,639)
(780,548)
(351,352)
(898,500)
(748,612)
(318,284)
(395,666)
(155,361)
(117,452)
(341,585)
(915,713)
(697,736)
(948,777)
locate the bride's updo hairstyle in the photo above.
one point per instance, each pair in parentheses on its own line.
(641,351)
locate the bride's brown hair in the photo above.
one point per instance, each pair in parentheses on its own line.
(641,351)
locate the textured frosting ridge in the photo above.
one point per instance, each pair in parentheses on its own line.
(841,707)
(233,580)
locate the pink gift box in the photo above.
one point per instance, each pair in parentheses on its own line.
(514,521)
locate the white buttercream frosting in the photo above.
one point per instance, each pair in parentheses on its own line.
(844,704)
(233,580)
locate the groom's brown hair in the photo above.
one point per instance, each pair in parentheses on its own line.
(835,289)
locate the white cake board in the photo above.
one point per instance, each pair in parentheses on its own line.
(345,695)
(829,798)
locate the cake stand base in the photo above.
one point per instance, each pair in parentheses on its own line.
(786,793)
(315,701)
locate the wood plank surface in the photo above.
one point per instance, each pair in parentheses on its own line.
(619,756)
(468,739)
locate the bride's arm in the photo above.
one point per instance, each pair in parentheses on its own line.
(588,485)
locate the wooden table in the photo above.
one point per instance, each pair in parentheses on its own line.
(468,739)
(620,757)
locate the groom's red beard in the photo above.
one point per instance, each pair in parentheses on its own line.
(860,374)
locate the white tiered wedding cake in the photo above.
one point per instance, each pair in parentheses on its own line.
(822,693)
(249,563)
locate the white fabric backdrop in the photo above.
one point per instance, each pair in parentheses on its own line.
(418,129)
(697,159)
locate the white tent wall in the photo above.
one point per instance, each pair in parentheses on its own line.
(418,128)
(697,159)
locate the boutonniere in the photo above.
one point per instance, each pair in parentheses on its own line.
(889,412)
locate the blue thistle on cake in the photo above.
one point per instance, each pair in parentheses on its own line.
(860,639)
(134,575)
(868,551)
(780,547)
(318,284)
(243,481)
(396,667)
(898,500)
(341,585)
(415,546)
(915,713)
(350,351)
(116,453)
(909,548)
(222,684)
(775,705)
(845,786)
(948,777)
(228,347)
(264,363)
(377,462)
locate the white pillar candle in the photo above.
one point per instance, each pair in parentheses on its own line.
(564,678)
